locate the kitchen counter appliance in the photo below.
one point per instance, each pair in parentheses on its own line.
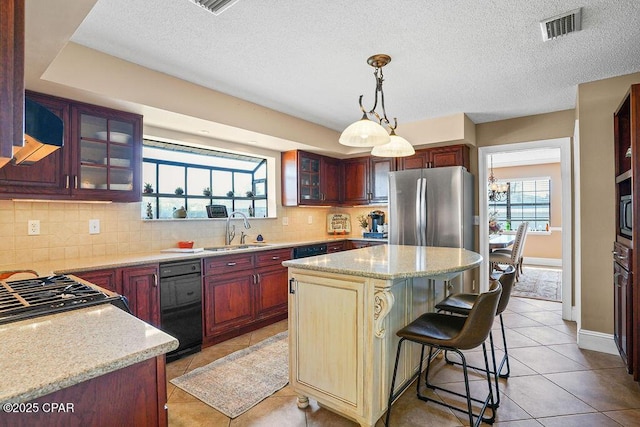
(181,305)
(28,298)
(311,250)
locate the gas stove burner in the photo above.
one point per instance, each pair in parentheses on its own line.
(21,299)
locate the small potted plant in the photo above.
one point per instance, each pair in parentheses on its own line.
(229,193)
(249,193)
(148,188)
(206,191)
(179,191)
(363,221)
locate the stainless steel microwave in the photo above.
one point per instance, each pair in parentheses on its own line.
(626,215)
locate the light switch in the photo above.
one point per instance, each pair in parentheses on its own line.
(285,220)
(310,219)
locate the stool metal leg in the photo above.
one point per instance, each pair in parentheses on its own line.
(505,358)
(393,381)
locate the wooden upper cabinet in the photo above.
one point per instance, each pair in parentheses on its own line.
(49,176)
(379,178)
(309,179)
(452,155)
(419,160)
(356,180)
(101,158)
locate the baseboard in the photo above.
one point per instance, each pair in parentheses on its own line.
(597,341)
(547,262)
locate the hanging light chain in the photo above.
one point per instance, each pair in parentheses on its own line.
(379,76)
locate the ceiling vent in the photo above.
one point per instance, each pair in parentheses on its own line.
(215,6)
(561,25)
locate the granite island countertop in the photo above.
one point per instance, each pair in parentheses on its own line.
(48,353)
(390,262)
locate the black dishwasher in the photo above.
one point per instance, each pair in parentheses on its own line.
(181,305)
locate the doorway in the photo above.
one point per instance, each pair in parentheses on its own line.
(484,153)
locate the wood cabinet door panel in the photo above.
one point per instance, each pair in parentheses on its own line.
(228,302)
(455,155)
(223,265)
(275,257)
(379,181)
(417,161)
(356,176)
(335,247)
(330,180)
(140,286)
(272,291)
(106,279)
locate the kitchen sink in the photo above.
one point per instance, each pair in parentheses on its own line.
(233,247)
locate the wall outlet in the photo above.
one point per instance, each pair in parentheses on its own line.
(94,226)
(34,227)
(285,220)
(310,219)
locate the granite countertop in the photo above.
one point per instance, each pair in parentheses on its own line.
(70,266)
(392,262)
(48,353)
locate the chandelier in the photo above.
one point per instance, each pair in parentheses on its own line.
(370,130)
(497,190)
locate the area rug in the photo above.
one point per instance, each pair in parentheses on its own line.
(540,283)
(241,380)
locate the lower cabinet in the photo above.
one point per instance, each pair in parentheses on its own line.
(138,284)
(243,292)
(132,396)
(336,246)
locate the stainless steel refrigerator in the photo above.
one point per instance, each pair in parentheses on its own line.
(432,207)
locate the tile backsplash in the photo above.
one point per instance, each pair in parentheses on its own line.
(64,230)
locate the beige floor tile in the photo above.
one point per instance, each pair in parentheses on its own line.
(604,389)
(590,359)
(544,360)
(515,320)
(545,335)
(319,416)
(273,411)
(582,420)
(195,414)
(569,328)
(547,318)
(626,418)
(519,423)
(542,398)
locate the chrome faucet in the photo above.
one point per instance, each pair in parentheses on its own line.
(230,233)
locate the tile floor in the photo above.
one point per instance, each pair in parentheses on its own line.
(552,383)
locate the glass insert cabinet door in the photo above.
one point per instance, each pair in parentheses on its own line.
(309,178)
(106,153)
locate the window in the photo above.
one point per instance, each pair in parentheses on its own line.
(527,200)
(178,176)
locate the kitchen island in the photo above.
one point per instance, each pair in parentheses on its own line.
(344,310)
(94,366)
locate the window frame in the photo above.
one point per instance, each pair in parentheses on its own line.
(508,219)
(235,201)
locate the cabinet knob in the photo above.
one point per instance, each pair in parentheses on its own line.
(231,264)
(275,257)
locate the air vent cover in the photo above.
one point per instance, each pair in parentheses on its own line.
(215,6)
(561,25)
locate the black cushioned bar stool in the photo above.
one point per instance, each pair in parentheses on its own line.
(452,333)
(462,303)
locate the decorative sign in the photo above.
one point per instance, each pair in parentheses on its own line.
(338,223)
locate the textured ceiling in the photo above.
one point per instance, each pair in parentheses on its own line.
(485,58)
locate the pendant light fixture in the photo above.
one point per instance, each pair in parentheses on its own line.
(370,130)
(497,191)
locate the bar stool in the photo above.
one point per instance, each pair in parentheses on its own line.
(452,333)
(462,304)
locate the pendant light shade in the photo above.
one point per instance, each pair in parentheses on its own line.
(364,133)
(397,147)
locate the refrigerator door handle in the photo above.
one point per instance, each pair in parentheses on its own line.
(423,212)
(418,205)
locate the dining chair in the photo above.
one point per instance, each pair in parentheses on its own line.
(454,333)
(511,256)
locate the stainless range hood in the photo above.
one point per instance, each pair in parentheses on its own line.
(43,134)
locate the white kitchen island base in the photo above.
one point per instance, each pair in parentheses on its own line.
(342,340)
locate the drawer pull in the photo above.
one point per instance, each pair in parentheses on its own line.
(231,264)
(275,257)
